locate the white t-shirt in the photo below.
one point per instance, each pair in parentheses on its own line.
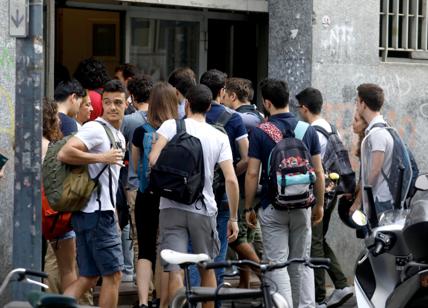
(95,138)
(216,149)
(378,139)
(323,139)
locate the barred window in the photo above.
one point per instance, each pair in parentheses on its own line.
(403,29)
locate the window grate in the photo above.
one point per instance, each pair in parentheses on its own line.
(403,29)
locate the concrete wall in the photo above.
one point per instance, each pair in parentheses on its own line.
(345,54)
(7,138)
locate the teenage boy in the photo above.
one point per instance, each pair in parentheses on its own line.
(68,95)
(310,105)
(182,79)
(238,139)
(99,250)
(178,222)
(286,234)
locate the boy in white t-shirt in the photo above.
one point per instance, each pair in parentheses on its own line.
(99,250)
(197,220)
(310,103)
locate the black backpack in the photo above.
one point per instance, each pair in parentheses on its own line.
(291,175)
(178,174)
(402,157)
(336,159)
(219,186)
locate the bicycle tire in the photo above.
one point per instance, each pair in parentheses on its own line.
(179,300)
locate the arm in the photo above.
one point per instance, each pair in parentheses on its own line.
(357,202)
(232,191)
(157,149)
(318,210)
(251,182)
(376,167)
(75,152)
(135,157)
(241,166)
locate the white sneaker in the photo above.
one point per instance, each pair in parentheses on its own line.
(321,305)
(339,297)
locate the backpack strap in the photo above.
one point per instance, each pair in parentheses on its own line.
(322,130)
(181,126)
(110,184)
(300,130)
(223,118)
(272,131)
(148,128)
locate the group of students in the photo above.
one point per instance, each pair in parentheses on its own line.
(245,192)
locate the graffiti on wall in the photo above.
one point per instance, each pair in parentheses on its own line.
(338,42)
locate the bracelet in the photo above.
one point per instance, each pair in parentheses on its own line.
(248,210)
(233,219)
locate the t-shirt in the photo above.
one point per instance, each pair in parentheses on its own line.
(235,127)
(261,145)
(129,124)
(97,104)
(95,138)
(67,124)
(323,139)
(216,149)
(182,109)
(378,139)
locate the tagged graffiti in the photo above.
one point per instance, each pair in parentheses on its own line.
(339,42)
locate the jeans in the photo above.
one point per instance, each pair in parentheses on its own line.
(286,235)
(128,255)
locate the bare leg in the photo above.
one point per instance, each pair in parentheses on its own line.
(65,252)
(109,294)
(80,286)
(144,277)
(246,251)
(164,283)
(175,284)
(208,280)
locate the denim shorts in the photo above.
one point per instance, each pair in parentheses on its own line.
(68,235)
(98,243)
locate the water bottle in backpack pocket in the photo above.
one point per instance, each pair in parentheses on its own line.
(291,175)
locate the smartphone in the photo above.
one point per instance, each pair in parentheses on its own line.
(3,160)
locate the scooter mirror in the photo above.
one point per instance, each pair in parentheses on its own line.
(422,182)
(359,218)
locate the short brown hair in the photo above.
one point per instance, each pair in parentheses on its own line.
(237,86)
(163,104)
(372,95)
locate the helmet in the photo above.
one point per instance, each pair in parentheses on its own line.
(343,207)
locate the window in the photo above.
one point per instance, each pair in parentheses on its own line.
(403,29)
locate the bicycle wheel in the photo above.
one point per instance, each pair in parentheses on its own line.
(279,301)
(180,300)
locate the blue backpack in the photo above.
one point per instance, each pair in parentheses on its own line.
(150,137)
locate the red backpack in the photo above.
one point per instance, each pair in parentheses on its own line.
(54,224)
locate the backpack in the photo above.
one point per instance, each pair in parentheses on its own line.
(336,159)
(122,207)
(291,175)
(68,187)
(219,186)
(401,157)
(250,109)
(179,174)
(150,137)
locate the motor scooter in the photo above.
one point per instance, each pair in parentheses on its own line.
(392,269)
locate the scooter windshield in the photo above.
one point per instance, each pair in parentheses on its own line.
(393,217)
(386,168)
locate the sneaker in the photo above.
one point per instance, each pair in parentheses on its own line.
(321,305)
(339,297)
